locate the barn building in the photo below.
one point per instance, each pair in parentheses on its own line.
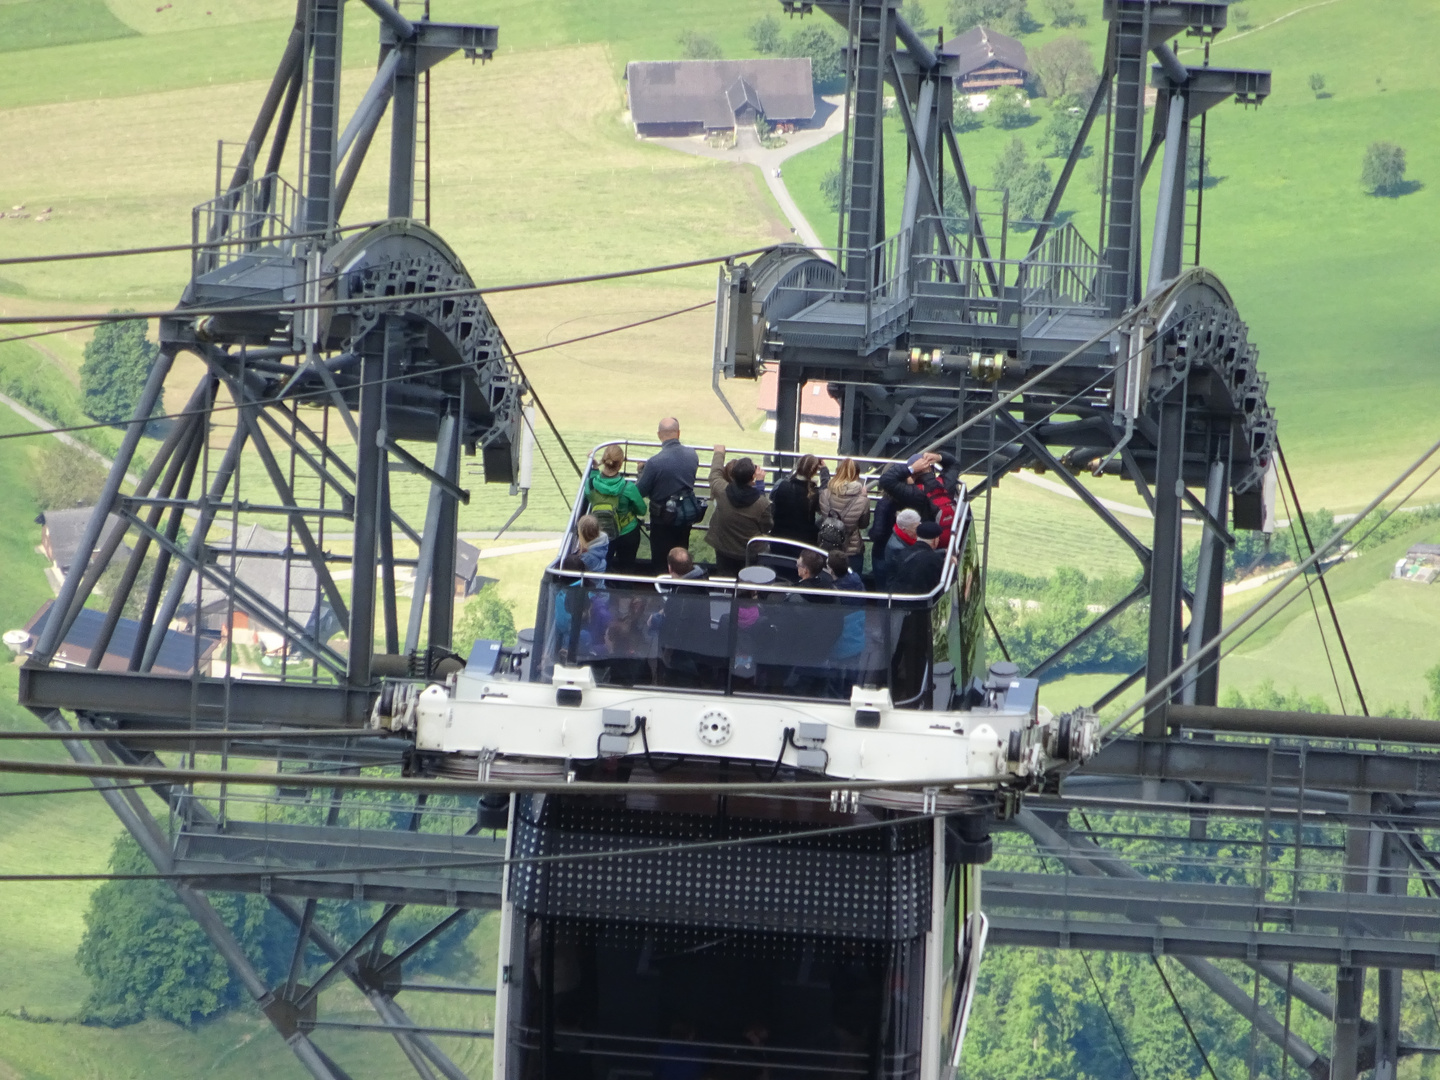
(694,97)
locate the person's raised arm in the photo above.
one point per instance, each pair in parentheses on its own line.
(717,470)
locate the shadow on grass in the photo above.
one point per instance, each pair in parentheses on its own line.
(1210,182)
(1395,191)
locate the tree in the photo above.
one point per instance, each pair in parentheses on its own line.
(1029,195)
(486,618)
(1012,162)
(64,477)
(696,46)
(1317,84)
(145,955)
(1009,108)
(1241,16)
(117,360)
(765,35)
(1432,697)
(1064,13)
(1063,128)
(1383,171)
(1193,171)
(914,14)
(1007,16)
(811,39)
(831,187)
(1028,185)
(1097,176)
(963,118)
(1066,66)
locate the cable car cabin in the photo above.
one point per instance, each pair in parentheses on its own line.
(721,636)
(817,917)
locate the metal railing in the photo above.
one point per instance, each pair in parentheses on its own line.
(243,220)
(1062,274)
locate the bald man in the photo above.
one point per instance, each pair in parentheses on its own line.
(667,477)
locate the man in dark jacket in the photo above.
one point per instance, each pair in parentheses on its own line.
(666,479)
(904,486)
(738,512)
(919,570)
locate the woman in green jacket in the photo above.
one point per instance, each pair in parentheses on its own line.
(618,506)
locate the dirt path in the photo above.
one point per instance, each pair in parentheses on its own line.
(830,120)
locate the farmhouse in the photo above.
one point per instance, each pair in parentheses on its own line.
(988,60)
(692,97)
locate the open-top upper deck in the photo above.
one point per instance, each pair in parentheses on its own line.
(722,635)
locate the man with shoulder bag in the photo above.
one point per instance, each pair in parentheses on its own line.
(667,479)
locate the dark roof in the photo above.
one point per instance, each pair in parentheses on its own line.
(1424,549)
(177,651)
(467,560)
(264,575)
(980,46)
(709,91)
(65,527)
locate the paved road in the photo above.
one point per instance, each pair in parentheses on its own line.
(829,122)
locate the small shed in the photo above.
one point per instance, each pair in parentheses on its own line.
(987,60)
(467,563)
(1420,564)
(692,97)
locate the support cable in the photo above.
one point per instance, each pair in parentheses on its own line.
(1194,1039)
(1320,573)
(309,395)
(1210,651)
(995,630)
(1212,662)
(499,861)
(1314,607)
(1085,959)
(1114,1027)
(381,301)
(161,249)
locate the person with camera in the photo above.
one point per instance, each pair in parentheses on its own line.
(667,479)
(741,510)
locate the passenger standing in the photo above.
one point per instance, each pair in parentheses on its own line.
(796,499)
(920,569)
(845,654)
(618,505)
(897,547)
(899,492)
(594,545)
(844,511)
(941,488)
(667,479)
(740,511)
